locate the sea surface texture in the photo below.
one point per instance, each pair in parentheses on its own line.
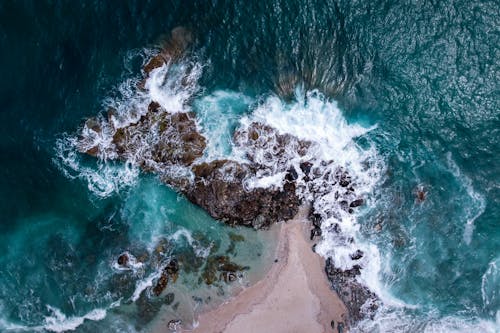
(404,95)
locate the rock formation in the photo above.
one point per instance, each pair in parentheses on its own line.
(159,141)
(358,299)
(219,188)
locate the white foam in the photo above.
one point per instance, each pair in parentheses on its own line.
(475,206)
(313,118)
(102,180)
(171,85)
(266,181)
(199,251)
(397,320)
(490,283)
(143,284)
(218,114)
(59,322)
(56,322)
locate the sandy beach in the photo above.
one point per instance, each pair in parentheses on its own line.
(294,296)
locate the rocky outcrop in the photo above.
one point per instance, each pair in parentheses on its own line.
(358,299)
(157,140)
(172,49)
(219,188)
(160,138)
(266,147)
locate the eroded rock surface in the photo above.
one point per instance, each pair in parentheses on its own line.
(358,299)
(219,188)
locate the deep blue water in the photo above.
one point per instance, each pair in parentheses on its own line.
(425,72)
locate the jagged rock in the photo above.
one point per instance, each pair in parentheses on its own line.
(161,284)
(357,255)
(315,232)
(172,138)
(219,188)
(355,296)
(306,168)
(158,139)
(155,62)
(265,146)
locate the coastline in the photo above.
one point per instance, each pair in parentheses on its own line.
(294,295)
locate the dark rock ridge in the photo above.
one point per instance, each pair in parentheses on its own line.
(157,140)
(218,187)
(359,300)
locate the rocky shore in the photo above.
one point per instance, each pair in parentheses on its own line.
(170,144)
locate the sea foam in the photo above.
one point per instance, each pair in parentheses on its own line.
(171,85)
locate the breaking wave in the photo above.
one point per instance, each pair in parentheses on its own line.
(57,321)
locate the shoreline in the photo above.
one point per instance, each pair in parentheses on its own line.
(293,296)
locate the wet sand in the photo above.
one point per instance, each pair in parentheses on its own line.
(294,296)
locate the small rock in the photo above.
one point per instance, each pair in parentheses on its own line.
(123,259)
(356,203)
(421,195)
(315,232)
(291,175)
(306,167)
(174,325)
(357,255)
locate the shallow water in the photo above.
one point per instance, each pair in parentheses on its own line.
(405,96)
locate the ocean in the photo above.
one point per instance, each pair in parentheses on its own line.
(403,95)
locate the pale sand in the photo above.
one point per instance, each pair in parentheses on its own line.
(294,296)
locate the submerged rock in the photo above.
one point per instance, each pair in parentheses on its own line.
(220,268)
(170,272)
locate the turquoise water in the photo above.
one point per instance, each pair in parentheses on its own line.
(423,75)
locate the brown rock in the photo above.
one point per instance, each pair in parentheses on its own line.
(155,62)
(123,259)
(218,188)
